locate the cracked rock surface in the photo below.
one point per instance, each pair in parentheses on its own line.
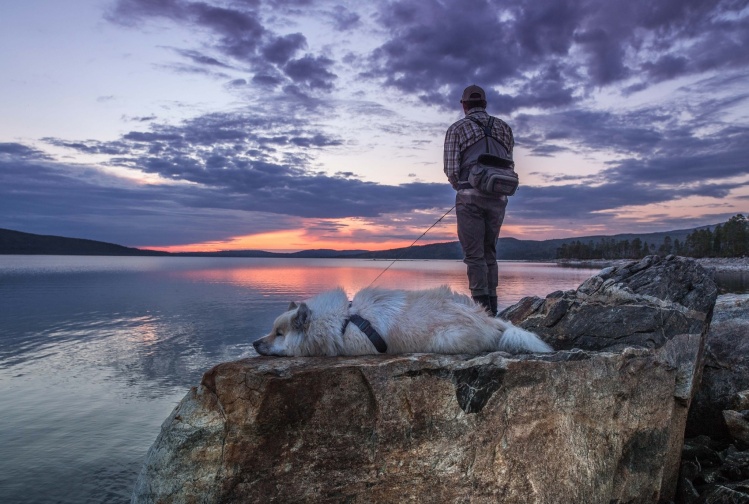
(643,303)
(600,422)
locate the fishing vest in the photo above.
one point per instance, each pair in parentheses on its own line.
(487,165)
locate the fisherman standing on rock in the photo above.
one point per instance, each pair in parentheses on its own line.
(480,214)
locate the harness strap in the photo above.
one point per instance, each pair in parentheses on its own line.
(365,327)
(487,130)
(486,127)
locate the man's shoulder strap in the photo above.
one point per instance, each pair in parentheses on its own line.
(486,127)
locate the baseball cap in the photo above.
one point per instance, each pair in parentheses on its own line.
(473,93)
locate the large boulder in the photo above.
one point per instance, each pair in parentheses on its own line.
(573,426)
(643,303)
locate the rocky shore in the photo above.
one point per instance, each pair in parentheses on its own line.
(715,457)
(713,264)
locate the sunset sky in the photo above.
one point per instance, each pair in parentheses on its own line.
(301,124)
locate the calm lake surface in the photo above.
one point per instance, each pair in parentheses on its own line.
(95,352)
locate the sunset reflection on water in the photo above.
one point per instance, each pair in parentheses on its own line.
(303,278)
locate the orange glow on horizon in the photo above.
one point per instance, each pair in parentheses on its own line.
(292,241)
(295,240)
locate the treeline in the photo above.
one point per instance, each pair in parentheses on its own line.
(730,239)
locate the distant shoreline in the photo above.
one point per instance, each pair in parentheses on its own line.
(725,264)
(716,264)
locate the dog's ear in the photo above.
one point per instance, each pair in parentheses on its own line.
(301,318)
(292,306)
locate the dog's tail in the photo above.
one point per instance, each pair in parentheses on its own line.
(517,340)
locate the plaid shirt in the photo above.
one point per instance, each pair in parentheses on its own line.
(464,133)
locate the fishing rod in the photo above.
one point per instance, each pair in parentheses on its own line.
(407,248)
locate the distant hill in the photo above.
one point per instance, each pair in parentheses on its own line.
(449,250)
(512,249)
(16,242)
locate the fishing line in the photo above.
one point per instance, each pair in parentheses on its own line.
(406,249)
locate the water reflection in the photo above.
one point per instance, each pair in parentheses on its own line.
(299,279)
(733,281)
(304,278)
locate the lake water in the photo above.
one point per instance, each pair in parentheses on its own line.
(95,352)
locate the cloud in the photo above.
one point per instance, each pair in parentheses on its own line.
(313,72)
(237,33)
(344,19)
(46,196)
(12,150)
(200,59)
(545,50)
(39,195)
(281,49)
(256,161)
(527,53)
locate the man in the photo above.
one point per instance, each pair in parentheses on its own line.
(479,215)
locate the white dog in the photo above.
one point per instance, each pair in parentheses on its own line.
(393,321)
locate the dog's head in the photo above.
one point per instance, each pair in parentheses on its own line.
(288,333)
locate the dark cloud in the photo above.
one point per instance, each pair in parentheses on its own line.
(545,49)
(240,32)
(247,161)
(11,150)
(555,203)
(92,146)
(311,71)
(437,45)
(237,83)
(201,59)
(129,11)
(540,53)
(666,67)
(267,80)
(344,19)
(237,32)
(669,170)
(148,118)
(281,49)
(592,130)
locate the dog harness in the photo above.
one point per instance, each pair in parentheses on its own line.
(365,327)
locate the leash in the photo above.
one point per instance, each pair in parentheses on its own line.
(407,248)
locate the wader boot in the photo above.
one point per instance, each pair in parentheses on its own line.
(484,301)
(493,305)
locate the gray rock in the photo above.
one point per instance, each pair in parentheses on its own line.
(721,494)
(711,471)
(741,400)
(573,426)
(738,425)
(725,377)
(644,303)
